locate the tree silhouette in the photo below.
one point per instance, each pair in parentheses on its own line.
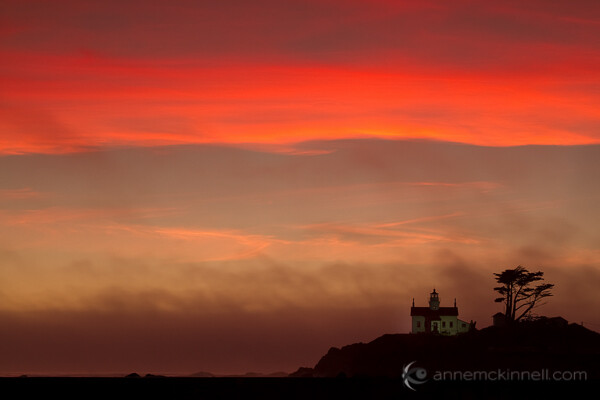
(518,292)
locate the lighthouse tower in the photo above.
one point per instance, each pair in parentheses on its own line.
(434,300)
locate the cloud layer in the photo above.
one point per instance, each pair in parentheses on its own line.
(308,244)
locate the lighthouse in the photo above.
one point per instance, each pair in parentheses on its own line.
(437,320)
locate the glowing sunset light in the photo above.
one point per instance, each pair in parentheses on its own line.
(108,107)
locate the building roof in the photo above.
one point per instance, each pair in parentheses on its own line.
(428,312)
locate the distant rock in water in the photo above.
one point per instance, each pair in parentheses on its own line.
(202,374)
(278,374)
(251,375)
(542,344)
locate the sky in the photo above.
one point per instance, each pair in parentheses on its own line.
(238,186)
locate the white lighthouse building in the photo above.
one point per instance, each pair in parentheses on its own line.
(436,319)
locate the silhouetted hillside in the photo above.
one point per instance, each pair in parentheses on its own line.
(528,346)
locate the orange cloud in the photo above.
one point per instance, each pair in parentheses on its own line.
(382,235)
(54,215)
(418,220)
(19,194)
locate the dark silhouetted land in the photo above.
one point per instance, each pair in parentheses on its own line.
(544,344)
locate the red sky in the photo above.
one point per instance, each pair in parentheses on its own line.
(86,74)
(236,186)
